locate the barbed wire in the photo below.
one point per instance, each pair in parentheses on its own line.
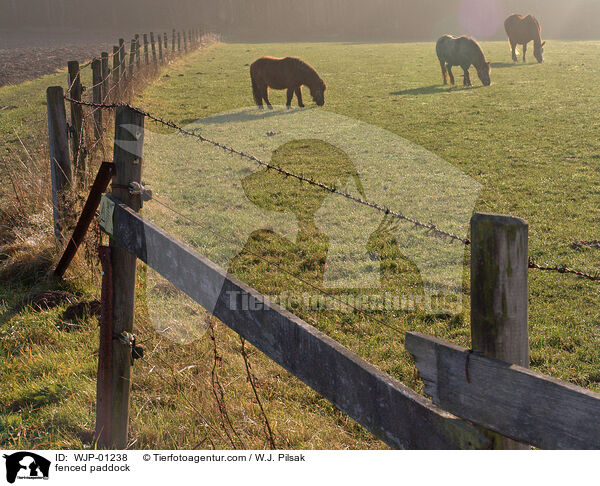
(431,228)
(562,269)
(578,245)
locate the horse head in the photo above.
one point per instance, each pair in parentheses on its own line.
(538,51)
(484,71)
(317,92)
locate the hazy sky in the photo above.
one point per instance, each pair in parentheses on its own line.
(311,19)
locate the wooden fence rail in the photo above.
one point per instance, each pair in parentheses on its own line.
(481,398)
(520,406)
(512,400)
(393,412)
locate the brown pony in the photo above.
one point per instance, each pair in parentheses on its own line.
(285,73)
(462,51)
(521,30)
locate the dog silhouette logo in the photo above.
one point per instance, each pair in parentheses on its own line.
(26,465)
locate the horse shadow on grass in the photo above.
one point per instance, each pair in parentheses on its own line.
(424,90)
(242,116)
(434,89)
(501,65)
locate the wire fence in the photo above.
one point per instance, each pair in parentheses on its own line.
(429,227)
(115,82)
(223,427)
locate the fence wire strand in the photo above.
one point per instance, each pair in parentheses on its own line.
(431,228)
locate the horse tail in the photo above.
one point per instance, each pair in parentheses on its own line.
(255,93)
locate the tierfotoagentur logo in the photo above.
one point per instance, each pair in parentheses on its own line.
(324,225)
(26,465)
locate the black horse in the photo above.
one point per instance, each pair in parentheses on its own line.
(464,52)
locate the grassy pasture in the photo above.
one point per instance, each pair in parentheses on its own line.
(528,140)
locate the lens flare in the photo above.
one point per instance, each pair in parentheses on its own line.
(480,18)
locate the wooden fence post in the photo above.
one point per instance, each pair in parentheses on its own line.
(146,55)
(104,385)
(138,61)
(166,41)
(128,169)
(160,48)
(173,42)
(105,76)
(185,46)
(499,267)
(60,160)
(116,75)
(131,59)
(122,56)
(153,49)
(97,96)
(179,42)
(75,92)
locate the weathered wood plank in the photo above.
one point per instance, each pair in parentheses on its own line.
(132,50)
(128,150)
(152,42)
(75,92)
(97,96)
(499,271)
(146,55)
(61,171)
(105,76)
(509,399)
(393,412)
(116,76)
(122,59)
(85,219)
(499,287)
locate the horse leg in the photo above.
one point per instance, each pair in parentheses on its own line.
(444,72)
(256,93)
(513,47)
(450,74)
(467,79)
(299,96)
(524,51)
(290,95)
(265,96)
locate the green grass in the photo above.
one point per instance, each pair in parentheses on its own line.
(46,375)
(528,140)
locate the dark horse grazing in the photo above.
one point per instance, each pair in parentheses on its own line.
(285,73)
(521,30)
(462,51)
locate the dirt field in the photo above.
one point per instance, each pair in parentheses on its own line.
(29,54)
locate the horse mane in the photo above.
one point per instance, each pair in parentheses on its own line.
(538,40)
(312,78)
